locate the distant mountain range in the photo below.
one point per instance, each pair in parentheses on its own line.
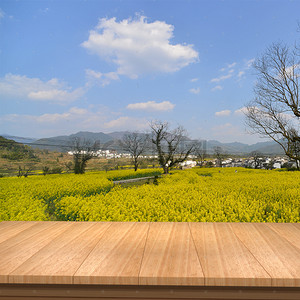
(110,141)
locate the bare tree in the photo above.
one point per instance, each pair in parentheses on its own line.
(256,155)
(219,154)
(135,143)
(200,152)
(275,111)
(83,151)
(170,145)
(25,170)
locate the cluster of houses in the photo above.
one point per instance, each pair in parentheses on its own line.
(112,154)
(107,154)
(258,163)
(252,162)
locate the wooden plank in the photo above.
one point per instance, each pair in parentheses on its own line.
(22,236)
(158,254)
(224,259)
(117,257)
(57,263)
(289,231)
(170,256)
(278,257)
(11,228)
(14,253)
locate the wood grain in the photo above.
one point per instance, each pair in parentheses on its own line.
(278,257)
(9,229)
(150,254)
(170,256)
(117,257)
(288,231)
(224,259)
(58,262)
(13,253)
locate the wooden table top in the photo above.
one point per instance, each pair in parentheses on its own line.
(128,253)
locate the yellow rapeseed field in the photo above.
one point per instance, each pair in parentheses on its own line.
(196,195)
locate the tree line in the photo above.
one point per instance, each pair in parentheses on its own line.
(171,146)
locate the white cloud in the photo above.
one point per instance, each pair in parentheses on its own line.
(95,119)
(73,120)
(240,111)
(247,66)
(100,78)
(228,132)
(195,91)
(194,79)
(241,73)
(152,106)
(217,88)
(230,66)
(230,72)
(249,63)
(223,113)
(221,78)
(18,86)
(126,123)
(138,47)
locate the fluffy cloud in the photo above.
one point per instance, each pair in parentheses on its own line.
(194,79)
(217,88)
(230,66)
(152,106)
(223,77)
(249,63)
(195,91)
(74,114)
(100,78)
(241,111)
(223,113)
(75,119)
(138,47)
(127,123)
(18,86)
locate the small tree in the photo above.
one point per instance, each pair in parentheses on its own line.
(83,151)
(46,170)
(219,154)
(136,144)
(256,155)
(171,146)
(25,170)
(200,152)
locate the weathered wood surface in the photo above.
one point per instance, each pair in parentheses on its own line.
(150,254)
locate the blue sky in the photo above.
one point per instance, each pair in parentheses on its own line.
(69,66)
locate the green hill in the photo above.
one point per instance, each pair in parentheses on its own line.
(12,150)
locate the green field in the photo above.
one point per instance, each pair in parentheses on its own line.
(197,195)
